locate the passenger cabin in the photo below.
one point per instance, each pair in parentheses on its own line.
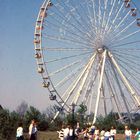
(52,97)
(38,55)
(40,70)
(138,22)
(127,3)
(46,85)
(133,12)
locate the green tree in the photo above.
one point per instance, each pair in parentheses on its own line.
(81,114)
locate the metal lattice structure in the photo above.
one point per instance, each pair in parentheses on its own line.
(87,51)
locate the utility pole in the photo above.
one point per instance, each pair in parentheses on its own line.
(73,120)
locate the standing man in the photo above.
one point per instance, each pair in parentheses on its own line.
(32,130)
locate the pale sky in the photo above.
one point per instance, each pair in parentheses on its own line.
(19,79)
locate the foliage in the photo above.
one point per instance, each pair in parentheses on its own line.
(8,123)
(9,120)
(106,122)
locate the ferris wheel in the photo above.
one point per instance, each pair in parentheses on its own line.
(87,51)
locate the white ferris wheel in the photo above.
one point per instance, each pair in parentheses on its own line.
(88,51)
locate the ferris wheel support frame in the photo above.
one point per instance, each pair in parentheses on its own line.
(126,82)
(100,85)
(113,96)
(84,79)
(127,85)
(76,82)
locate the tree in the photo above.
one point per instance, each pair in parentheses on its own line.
(33,113)
(8,123)
(22,108)
(81,113)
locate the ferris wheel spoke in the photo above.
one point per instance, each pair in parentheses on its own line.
(125,44)
(73,25)
(120,23)
(107,26)
(115,18)
(68,77)
(66,29)
(87,26)
(124,30)
(67,40)
(64,68)
(93,27)
(67,57)
(94,14)
(66,49)
(129,35)
(129,56)
(130,64)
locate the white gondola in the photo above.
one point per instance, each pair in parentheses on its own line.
(40,70)
(38,55)
(46,85)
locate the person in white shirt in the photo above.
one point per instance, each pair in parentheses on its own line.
(128,133)
(66,132)
(61,133)
(113,133)
(102,133)
(32,130)
(19,132)
(107,135)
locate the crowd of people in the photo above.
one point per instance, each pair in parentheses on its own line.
(68,132)
(32,131)
(93,133)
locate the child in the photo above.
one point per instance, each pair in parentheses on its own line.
(19,132)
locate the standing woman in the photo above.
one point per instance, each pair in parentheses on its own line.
(113,133)
(137,135)
(32,130)
(19,132)
(128,133)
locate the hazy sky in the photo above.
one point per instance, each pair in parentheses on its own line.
(19,79)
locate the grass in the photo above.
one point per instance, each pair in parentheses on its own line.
(53,135)
(49,135)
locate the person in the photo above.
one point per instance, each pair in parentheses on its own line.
(113,133)
(102,133)
(137,135)
(32,130)
(71,134)
(107,135)
(128,133)
(66,132)
(19,132)
(96,133)
(61,133)
(86,134)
